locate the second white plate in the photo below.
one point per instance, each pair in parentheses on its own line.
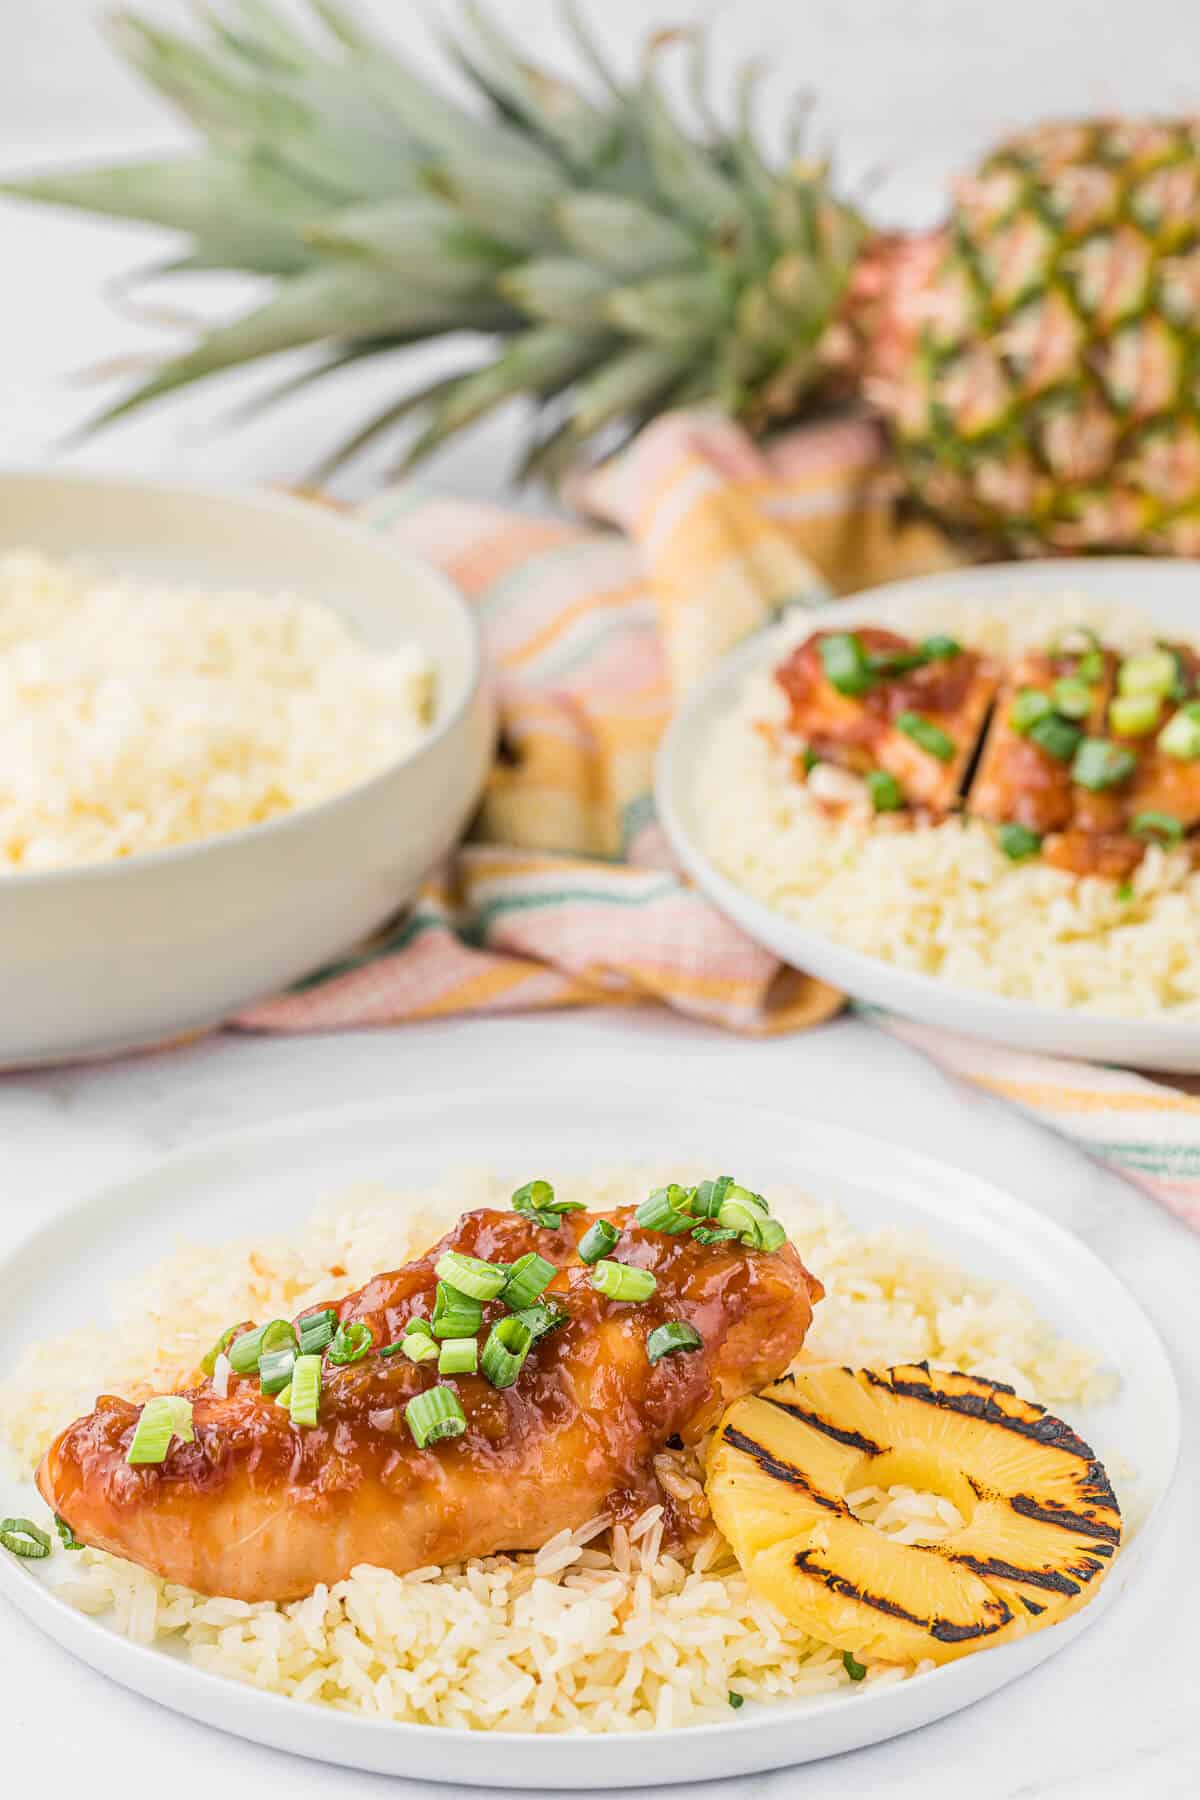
(1169,594)
(234,1187)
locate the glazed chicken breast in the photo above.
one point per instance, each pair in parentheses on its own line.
(258,1507)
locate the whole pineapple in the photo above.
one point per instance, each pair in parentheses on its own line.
(1037,358)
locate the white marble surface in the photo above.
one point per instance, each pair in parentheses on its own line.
(919,86)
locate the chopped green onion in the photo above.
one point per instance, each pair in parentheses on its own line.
(770,1235)
(536,1201)
(940,649)
(1162,825)
(675,1335)
(618,1281)
(1154,673)
(351,1342)
(1059,738)
(736,1700)
(529,1276)
(747,1196)
(245,1351)
(1099,764)
(926,735)
(1029,705)
(707,1199)
(284,1398)
(317,1331)
(1017,842)
(24,1538)
(66,1535)
(304,1402)
(1180,736)
(1072,698)
(1181,686)
(275,1370)
(745,1214)
(539,1320)
(1090,666)
(1134,715)
(895,662)
(455,1314)
(885,791)
(665,1210)
(736,1216)
(507,1346)
(434,1415)
(416,1341)
(165,1417)
(705,1234)
(845,662)
(458,1356)
(598,1241)
(810,759)
(470,1275)
(1125,892)
(209,1363)
(855,1670)
(1076,640)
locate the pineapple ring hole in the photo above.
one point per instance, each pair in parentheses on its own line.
(914,1496)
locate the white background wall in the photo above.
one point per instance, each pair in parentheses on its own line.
(914,86)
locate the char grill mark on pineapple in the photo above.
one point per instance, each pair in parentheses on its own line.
(1073,1521)
(1043,1427)
(779,1470)
(1050,1579)
(854,1440)
(1038,1527)
(945,1631)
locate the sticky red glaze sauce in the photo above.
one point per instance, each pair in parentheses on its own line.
(632,1406)
(935,687)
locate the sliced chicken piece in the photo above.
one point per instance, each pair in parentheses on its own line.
(920,724)
(1018,781)
(258,1508)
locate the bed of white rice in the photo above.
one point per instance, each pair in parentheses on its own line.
(603,1629)
(945,900)
(136,716)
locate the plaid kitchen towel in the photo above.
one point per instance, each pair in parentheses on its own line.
(566,894)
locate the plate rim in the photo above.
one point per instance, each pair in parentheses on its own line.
(355,529)
(122,1659)
(1003,1012)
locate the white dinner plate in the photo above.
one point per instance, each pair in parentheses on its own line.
(1169,594)
(235,1184)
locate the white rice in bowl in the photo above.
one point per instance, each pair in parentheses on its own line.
(604,1629)
(945,900)
(136,716)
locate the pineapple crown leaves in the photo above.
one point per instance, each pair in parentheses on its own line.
(620,262)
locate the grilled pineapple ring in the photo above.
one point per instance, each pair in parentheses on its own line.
(1041,1520)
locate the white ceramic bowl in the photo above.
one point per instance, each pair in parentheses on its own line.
(112,955)
(1167,592)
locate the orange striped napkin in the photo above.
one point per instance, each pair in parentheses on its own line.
(566,894)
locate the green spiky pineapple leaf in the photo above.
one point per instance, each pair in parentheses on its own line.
(615,259)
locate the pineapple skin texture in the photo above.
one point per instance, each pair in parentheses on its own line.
(1039,359)
(1041,1521)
